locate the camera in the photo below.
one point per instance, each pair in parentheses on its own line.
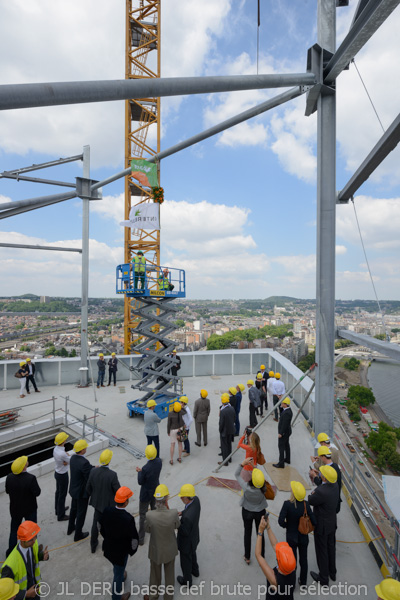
(249,430)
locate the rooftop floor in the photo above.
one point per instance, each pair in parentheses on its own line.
(220,552)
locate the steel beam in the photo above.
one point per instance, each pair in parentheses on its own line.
(17,177)
(51,163)
(30,95)
(379,152)
(36,247)
(367,23)
(32,201)
(386,348)
(32,205)
(85,266)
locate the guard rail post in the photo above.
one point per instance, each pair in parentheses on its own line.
(83,426)
(54,410)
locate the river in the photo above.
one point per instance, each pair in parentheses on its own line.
(384,380)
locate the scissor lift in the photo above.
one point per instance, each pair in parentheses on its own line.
(155,312)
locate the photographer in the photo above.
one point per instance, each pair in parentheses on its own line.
(251,443)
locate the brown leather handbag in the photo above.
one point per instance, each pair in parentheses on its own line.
(305,526)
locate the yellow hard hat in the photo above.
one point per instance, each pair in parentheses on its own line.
(225,398)
(184,399)
(241,387)
(112,353)
(262,367)
(259,376)
(161,491)
(28,359)
(298,489)
(106,456)
(277,375)
(257,477)
(388,589)
(177,407)
(80,445)
(329,473)
(286,401)
(101,354)
(187,491)
(22,363)
(60,438)
(151,403)
(323,437)
(8,588)
(203,393)
(150,452)
(271,374)
(250,382)
(19,464)
(233,391)
(324,451)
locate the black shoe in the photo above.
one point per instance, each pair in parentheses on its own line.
(278,466)
(333,577)
(220,463)
(141,542)
(205,444)
(182,581)
(220,454)
(196,444)
(64,518)
(93,548)
(70,530)
(83,536)
(197,574)
(287,461)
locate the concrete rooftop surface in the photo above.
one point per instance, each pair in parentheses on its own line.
(220,552)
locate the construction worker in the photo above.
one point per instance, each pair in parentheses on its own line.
(324,440)
(254,402)
(270,387)
(31,377)
(289,517)
(151,420)
(139,263)
(227,418)
(101,487)
(8,588)
(284,433)
(188,420)
(80,469)
(388,589)
(281,580)
(101,365)
(61,468)
(188,534)
(200,414)
(325,499)
(23,489)
(279,391)
(325,456)
(161,524)
(112,369)
(239,395)
(121,539)
(148,478)
(22,564)
(163,281)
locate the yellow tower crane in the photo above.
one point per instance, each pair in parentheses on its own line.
(142,117)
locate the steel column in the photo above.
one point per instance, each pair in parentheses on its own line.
(326,228)
(85,272)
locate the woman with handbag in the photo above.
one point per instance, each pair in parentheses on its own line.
(253,503)
(253,450)
(297,518)
(175,429)
(22,374)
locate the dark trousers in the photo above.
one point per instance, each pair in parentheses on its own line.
(284,450)
(276,400)
(77,516)
(141,277)
(143,508)
(226,445)
(31,379)
(61,493)
(118,581)
(94,534)
(186,443)
(237,424)
(154,439)
(199,427)
(248,518)
(253,418)
(302,548)
(15,523)
(325,550)
(264,400)
(112,375)
(189,566)
(100,378)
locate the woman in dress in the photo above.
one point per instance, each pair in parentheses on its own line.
(174,424)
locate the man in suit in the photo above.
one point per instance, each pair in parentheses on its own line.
(121,539)
(284,433)
(227,417)
(23,489)
(161,524)
(254,402)
(102,486)
(325,456)
(30,366)
(148,479)
(188,534)
(201,413)
(80,469)
(112,369)
(325,499)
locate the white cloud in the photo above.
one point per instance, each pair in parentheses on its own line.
(341,250)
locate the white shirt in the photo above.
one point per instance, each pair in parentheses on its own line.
(30,368)
(60,457)
(187,419)
(270,384)
(278,387)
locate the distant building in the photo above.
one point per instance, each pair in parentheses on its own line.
(44,299)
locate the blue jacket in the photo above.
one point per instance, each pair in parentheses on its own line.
(149,479)
(238,402)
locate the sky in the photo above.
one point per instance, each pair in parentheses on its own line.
(240,209)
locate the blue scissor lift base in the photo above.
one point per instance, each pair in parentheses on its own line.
(164,404)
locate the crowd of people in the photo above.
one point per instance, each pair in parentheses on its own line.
(172,532)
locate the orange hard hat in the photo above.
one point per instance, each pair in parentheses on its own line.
(27,531)
(122,495)
(285,558)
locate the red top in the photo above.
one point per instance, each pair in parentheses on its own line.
(250,453)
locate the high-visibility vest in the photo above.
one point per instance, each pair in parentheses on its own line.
(163,283)
(140,264)
(16,562)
